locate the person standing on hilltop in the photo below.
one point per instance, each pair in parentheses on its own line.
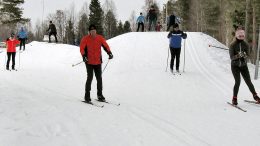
(52,31)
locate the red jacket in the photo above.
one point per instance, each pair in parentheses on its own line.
(11,45)
(91,47)
(158,27)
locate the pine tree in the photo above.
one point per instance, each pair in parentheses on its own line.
(83,26)
(209,18)
(96,15)
(183,7)
(110,27)
(127,27)
(70,35)
(11,13)
(120,29)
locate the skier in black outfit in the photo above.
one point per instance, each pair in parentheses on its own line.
(52,31)
(238,52)
(152,18)
(175,37)
(170,21)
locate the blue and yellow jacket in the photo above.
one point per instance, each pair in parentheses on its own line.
(175,38)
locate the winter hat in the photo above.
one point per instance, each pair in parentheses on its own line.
(91,27)
(240,34)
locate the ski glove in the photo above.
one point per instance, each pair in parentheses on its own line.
(85,59)
(242,54)
(110,55)
(184,35)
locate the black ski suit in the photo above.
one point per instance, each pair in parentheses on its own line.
(171,22)
(238,52)
(52,31)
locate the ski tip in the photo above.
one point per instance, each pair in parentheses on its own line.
(236,106)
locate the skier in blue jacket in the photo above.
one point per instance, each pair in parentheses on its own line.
(140,22)
(22,36)
(175,38)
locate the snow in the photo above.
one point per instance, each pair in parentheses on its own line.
(40,104)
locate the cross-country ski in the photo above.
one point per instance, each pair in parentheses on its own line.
(93,104)
(236,106)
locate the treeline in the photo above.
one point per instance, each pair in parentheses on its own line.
(218,18)
(71,25)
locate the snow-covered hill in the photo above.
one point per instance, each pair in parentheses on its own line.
(40,104)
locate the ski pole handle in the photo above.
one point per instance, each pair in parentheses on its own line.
(77,63)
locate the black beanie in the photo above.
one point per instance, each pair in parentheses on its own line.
(91,26)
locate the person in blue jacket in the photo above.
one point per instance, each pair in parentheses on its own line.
(22,36)
(140,22)
(175,36)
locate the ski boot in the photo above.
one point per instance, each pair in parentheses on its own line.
(256,98)
(234,101)
(7,67)
(87,97)
(101,98)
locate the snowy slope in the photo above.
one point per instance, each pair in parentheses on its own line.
(40,104)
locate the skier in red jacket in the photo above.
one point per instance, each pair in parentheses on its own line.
(90,49)
(11,50)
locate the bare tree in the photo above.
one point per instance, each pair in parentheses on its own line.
(132,20)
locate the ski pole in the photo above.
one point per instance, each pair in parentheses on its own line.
(167,60)
(19,58)
(218,47)
(184,55)
(77,63)
(5,61)
(105,66)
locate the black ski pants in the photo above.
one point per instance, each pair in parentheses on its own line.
(55,35)
(152,24)
(9,55)
(236,71)
(175,52)
(142,25)
(22,43)
(98,73)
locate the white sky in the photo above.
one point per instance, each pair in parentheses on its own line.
(34,8)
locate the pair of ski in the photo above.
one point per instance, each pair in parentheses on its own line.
(101,106)
(12,70)
(247,101)
(176,73)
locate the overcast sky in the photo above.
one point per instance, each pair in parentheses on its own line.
(33,9)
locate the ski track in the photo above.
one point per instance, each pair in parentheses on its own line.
(182,137)
(66,126)
(204,70)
